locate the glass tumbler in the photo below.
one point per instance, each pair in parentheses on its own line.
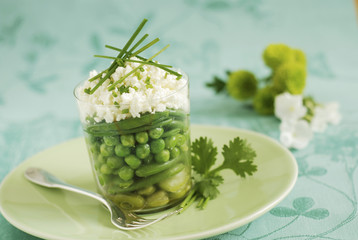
(141,163)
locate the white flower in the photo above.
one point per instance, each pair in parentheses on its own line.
(289,107)
(327,113)
(295,133)
(332,111)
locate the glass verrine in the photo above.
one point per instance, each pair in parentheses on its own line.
(139,148)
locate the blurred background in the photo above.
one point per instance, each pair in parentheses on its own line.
(47,47)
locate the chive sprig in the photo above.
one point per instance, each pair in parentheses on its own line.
(124,55)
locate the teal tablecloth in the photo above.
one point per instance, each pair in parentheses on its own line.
(46,47)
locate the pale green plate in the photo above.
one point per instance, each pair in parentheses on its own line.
(57,214)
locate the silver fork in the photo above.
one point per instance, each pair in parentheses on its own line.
(125,220)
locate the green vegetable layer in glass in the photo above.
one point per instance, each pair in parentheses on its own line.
(142,163)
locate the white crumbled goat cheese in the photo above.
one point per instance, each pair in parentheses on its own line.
(148,90)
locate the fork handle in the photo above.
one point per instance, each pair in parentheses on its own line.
(46,179)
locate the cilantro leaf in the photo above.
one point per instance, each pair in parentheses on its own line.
(203,155)
(208,186)
(239,156)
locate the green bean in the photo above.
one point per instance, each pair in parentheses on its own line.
(175,124)
(178,114)
(145,182)
(154,168)
(171,132)
(109,129)
(145,119)
(125,124)
(158,123)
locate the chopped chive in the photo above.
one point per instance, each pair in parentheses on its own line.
(145,47)
(137,74)
(136,45)
(135,69)
(125,110)
(103,56)
(124,56)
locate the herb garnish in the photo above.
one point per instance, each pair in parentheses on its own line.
(238,156)
(125,54)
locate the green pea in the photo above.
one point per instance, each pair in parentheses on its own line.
(170,142)
(184,147)
(106,150)
(122,151)
(115,162)
(156,133)
(120,183)
(148,159)
(174,152)
(163,156)
(180,139)
(101,159)
(157,199)
(128,140)
(142,151)
(157,145)
(111,140)
(141,137)
(105,169)
(103,179)
(126,173)
(94,147)
(133,161)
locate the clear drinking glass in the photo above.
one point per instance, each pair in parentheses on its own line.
(140,163)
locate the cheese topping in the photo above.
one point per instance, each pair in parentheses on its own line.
(150,89)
